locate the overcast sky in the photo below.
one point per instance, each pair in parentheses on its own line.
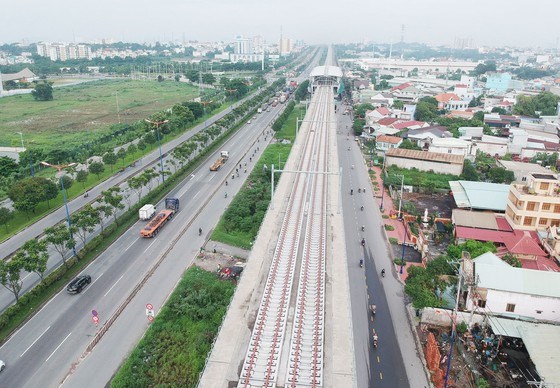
(488,22)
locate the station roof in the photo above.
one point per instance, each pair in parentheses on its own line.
(480,195)
(326,71)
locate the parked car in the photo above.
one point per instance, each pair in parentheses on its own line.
(77,285)
(2,365)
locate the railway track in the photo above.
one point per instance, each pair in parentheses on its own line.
(304,225)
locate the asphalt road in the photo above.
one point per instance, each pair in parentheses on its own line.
(43,351)
(382,366)
(33,231)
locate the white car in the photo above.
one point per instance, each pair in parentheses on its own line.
(2,365)
(249,122)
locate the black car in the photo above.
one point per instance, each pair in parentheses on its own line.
(77,285)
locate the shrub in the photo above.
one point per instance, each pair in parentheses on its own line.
(393,240)
(389,227)
(384,216)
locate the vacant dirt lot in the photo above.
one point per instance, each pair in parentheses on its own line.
(441,204)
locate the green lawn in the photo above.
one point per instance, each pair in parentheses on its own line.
(83,112)
(288,130)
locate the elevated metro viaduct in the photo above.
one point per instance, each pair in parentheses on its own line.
(325,75)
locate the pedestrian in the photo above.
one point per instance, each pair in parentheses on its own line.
(250,159)
(245,170)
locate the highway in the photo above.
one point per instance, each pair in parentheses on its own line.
(36,229)
(48,349)
(43,350)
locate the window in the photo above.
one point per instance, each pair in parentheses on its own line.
(531,206)
(510,308)
(528,221)
(539,311)
(543,221)
(556,208)
(481,303)
(555,223)
(545,207)
(545,186)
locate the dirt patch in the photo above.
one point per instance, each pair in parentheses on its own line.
(217,261)
(438,204)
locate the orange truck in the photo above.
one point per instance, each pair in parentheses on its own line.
(224,155)
(160,219)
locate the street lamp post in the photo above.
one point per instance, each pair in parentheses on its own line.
(403,242)
(204,103)
(157,124)
(59,168)
(30,156)
(400,200)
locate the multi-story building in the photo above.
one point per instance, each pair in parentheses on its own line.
(286,46)
(63,51)
(534,205)
(243,46)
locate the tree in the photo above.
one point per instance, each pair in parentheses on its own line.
(29,192)
(5,216)
(113,198)
(121,154)
(8,166)
(131,150)
(483,68)
(96,168)
(160,78)
(425,112)
(43,92)
(10,276)
(67,181)
(398,104)
(382,85)
(545,102)
(34,256)
(110,159)
(81,176)
(141,145)
(150,138)
(409,145)
(208,78)
(469,172)
(85,221)
(240,87)
(137,183)
(499,110)
(192,75)
(511,260)
(500,175)
(60,238)
(475,248)
(361,110)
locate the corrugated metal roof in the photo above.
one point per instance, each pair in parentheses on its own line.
(483,220)
(480,195)
(512,279)
(428,156)
(541,340)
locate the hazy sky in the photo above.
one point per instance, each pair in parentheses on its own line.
(488,22)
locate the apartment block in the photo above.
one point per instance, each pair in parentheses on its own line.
(534,205)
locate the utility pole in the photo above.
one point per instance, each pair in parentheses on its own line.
(157,124)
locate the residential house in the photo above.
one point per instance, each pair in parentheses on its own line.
(384,126)
(498,82)
(361,84)
(373,116)
(422,136)
(425,161)
(406,92)
(521,170)
(450,101)
(24,75)
(468,133)
(382,99)
(515,292)
(535,204)
(450,145)
(385,142)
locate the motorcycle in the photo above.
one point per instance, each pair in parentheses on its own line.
(362,208)
(373,309)
(199,231)
(363,242)
(375,340)
(361,263)
(363,228)
(352,192)
(383,273)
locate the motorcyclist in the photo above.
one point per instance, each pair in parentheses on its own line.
(199,231)
(225,195)
(383,272)
(361,262)
(363,228)
(226,183)
(351,191)
(359,190)
(364,243)
(362,208)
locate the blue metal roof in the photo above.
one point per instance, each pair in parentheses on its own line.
(480,195)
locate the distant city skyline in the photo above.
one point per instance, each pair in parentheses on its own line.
(485,23)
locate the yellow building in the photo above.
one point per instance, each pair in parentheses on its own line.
(534,205)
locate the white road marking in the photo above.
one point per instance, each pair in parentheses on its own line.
(196,195)
(113,285)
(150,244)
(212,177)
(64,340)
(92,283)
(26,276)
(192,176)
(35,341)
(132,243)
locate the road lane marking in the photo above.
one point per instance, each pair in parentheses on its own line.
(150,245)
(196,195)
(54,351)
(378,360)
(92,283)
(380,375)
(113,285)
(212,177)
(132,243)
(35,341)
(26,276)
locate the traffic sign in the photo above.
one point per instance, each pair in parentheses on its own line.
(94,313)
(150,318)
(95,320)
(149,307)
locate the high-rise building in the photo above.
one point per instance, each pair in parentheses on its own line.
(286,46)
(258,43)
(63,51)
(243,46)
